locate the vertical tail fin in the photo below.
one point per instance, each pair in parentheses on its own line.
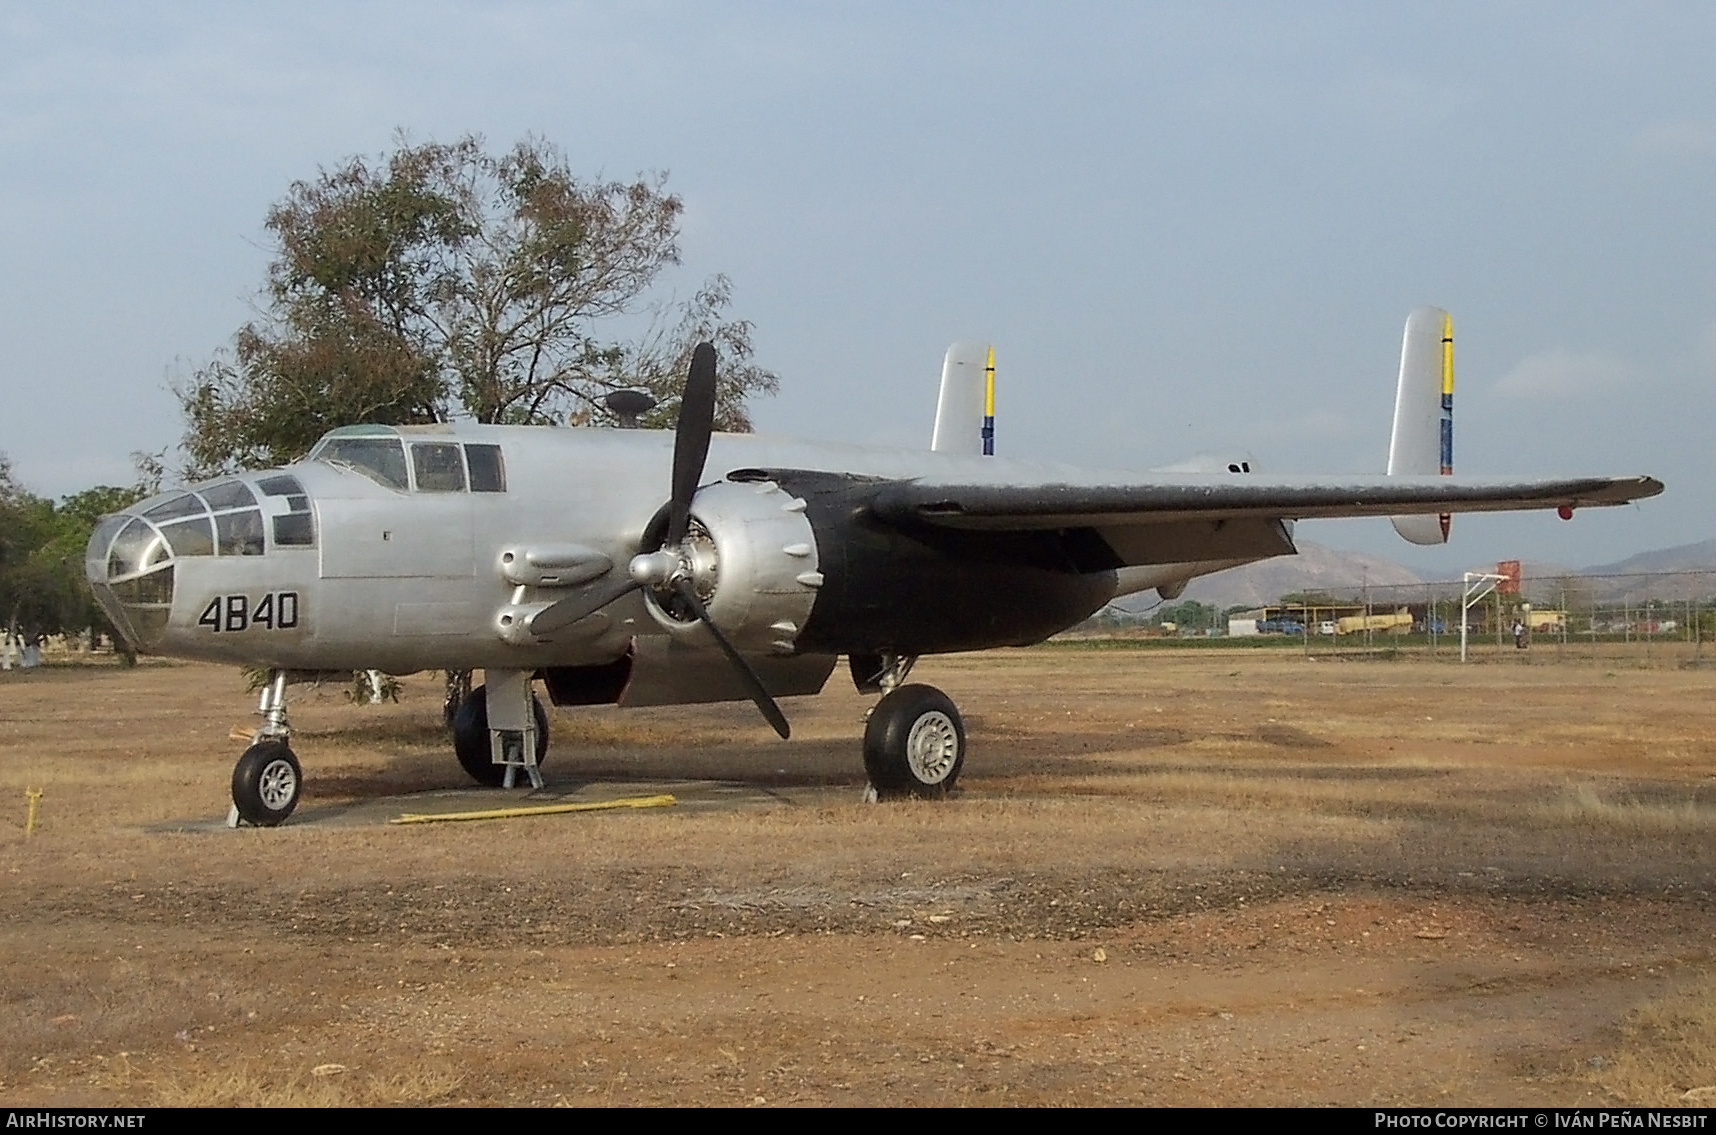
(989,405)
(1423,439)
(965,412)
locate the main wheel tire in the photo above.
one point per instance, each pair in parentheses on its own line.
(266,782)
(471,737)
(915,743)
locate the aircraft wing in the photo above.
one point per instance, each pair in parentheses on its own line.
(1214,522)
(1022,507)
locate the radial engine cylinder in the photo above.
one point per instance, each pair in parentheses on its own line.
(752,558)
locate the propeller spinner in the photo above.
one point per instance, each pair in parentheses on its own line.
(670,571)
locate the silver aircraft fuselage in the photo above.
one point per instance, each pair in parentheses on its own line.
(404,564)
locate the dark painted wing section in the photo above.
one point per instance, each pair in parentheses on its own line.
(911,567)
(907,587)
(1028,507)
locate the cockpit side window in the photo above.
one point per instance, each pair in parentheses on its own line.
(228,494)
(295,530)
(190,537)
(379,458)
(185,504)
(240,533)
(281,485)
(488,471)
(438,467)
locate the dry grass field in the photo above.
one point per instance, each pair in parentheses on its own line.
(1196,877)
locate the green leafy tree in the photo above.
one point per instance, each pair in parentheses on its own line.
(1189,615)
(42,586)
(659,362)
(442,279)
(31,598)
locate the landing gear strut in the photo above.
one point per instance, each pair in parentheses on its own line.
(267,778)
(494,756)
(914,741)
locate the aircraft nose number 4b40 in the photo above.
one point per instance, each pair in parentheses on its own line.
(641,567)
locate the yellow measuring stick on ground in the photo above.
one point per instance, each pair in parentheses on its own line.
(31,795)
(538,810)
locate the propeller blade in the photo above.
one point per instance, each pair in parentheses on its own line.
(582,603)
(759,693)
(691,440)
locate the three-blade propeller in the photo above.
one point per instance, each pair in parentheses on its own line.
(668,570)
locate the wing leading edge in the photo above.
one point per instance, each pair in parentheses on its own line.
(1002,507)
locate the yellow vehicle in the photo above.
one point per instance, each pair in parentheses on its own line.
(1398,622)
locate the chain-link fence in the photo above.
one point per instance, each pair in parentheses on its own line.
(1647,618)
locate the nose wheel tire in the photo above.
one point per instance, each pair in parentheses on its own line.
(914,744)
(471,737)
(265,783)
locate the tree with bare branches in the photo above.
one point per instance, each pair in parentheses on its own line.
(443,280)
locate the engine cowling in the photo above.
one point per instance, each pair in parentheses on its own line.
(910,589)
(752,557)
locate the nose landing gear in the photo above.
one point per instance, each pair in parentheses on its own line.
(267,779)
(265,784)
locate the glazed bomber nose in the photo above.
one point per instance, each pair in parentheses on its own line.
(135,558)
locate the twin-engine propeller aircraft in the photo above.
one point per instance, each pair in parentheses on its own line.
(548,553)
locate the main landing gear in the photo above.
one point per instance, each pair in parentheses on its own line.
(267,778)
(492,747)
(914,740)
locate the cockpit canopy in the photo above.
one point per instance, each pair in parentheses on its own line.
(435,464)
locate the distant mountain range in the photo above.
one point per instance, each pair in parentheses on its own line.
(1650,574)
(1685,557)
(1317,568)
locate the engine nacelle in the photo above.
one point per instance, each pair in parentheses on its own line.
(753,561)
(910,588)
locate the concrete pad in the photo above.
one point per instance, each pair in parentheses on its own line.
(694,795)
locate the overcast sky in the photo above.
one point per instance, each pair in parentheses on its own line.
(1188,229)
